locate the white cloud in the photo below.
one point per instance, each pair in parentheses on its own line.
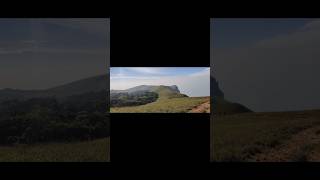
(147,70)
(197,84)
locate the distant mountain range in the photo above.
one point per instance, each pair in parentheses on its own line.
(91,84)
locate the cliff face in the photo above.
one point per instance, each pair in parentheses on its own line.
(215,89)
(175,88)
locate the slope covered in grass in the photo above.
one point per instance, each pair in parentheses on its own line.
(169,101)
(240,137)
(88,151)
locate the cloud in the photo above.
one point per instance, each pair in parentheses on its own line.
(276,74)
(80,35)
(133,77)
(194,84)
(98,26)
(305,36)
(145,71)
(205,72)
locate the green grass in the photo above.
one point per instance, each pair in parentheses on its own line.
(164,105)
(240,136)
(167,102)
(89,151)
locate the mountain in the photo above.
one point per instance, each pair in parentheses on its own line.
(215,89)
(92,84)
(156,99)
(143,94)
(148,88)
(223,107)
(220,105)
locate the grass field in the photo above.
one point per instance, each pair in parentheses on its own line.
(167,102)
(90,151)
(241,137)
(164,105)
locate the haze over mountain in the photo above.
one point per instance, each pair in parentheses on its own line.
(150,88)
(268,64)
(91,84)
(220,105)
(40,53)
(193,81)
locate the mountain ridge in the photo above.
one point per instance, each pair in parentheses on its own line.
(91,84)
(150,88)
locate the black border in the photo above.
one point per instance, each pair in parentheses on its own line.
(160,41)
(129,11)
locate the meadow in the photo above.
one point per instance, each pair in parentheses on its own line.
(269,136)
(84,151)
(164,105)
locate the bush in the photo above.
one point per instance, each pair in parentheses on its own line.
(132,99)
(49,119)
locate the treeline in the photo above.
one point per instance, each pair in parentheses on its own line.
(79,117)
(132,99)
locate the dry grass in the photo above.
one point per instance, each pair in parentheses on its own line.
(164,105)
(239,137)
(89,151)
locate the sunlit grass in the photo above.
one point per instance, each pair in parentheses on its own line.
(164,105)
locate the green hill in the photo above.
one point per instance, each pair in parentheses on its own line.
(170,100)
(166,93)
(91,84)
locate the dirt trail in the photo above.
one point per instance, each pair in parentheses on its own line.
(202,108)
(298,148)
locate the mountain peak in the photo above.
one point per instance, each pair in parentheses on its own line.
(150,88)
(217,92)
(175,88)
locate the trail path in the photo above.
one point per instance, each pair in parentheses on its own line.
(202,108)
(298,148)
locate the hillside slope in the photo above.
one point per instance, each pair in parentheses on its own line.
(170,100)
(92,84)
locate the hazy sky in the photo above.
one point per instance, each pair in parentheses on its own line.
(42,53)
(268,64)
(194,81)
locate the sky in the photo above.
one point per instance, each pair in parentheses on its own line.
(192,81)
(43,53)
(267,64)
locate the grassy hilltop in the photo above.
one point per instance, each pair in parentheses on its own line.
(169,101)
